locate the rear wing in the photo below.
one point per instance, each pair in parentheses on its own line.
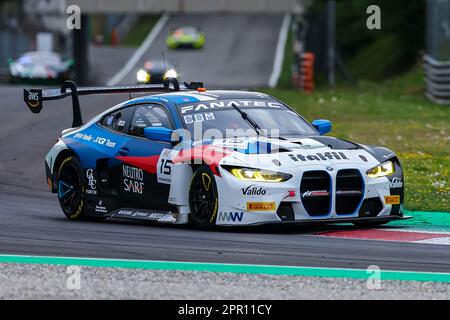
(34,98)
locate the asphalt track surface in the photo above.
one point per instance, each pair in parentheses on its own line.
(238,53)
(32,222)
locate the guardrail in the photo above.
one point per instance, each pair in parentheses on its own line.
(437,80)
(167,6)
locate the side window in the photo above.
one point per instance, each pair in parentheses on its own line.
(149,116)
(118,120)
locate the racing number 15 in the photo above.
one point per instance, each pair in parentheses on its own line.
(165,167)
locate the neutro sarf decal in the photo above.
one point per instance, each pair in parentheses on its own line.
(133,179)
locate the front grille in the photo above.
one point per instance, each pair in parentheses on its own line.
(349,191)
(315,191)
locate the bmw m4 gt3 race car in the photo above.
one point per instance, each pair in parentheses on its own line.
(230,158)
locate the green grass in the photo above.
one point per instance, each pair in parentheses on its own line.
(137,35)
(394,114)
(382,53)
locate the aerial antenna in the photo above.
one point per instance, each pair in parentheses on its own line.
(129,94)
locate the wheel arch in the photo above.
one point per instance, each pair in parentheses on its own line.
(182,175)
(58,161)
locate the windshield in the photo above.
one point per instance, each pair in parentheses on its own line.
(186,31)
(274,118)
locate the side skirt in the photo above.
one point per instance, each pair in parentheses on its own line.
(144,215)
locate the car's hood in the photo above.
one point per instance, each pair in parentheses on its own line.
(266,152)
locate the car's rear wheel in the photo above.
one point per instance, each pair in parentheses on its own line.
(203,198)
(70,188)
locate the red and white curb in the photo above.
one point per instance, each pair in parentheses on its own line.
(415,236)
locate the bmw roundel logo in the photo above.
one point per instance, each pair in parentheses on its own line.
(330,168)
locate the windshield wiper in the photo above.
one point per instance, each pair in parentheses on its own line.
(247,118)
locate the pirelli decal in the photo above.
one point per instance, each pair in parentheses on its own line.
(261,206)
(392,199)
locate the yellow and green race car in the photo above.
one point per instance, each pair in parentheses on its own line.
(186,37)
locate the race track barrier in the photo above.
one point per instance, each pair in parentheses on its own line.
(306,73)
(437,80)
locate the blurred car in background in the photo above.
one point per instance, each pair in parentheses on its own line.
(155,71)
(40,66)
(186,37)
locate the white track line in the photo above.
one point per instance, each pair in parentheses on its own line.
(415,230)
(279,53)
(441,241)
(139,52)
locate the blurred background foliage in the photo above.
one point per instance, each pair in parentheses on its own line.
(379,54)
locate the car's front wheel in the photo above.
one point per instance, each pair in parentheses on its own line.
(203,198)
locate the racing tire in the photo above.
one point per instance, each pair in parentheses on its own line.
(369,224)
(71,190)
(203,199)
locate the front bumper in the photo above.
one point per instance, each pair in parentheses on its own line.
(317,222)
(345,199)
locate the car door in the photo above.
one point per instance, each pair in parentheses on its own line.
(145,164)
(114,126)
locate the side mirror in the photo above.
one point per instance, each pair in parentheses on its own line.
(159,134)
(321,125)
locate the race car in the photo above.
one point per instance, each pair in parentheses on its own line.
(40,66)
(155,71)
(183,154)
(186,37)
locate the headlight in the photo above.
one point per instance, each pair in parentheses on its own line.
(143,76)
(257,175)
(382,170)
(171,73)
